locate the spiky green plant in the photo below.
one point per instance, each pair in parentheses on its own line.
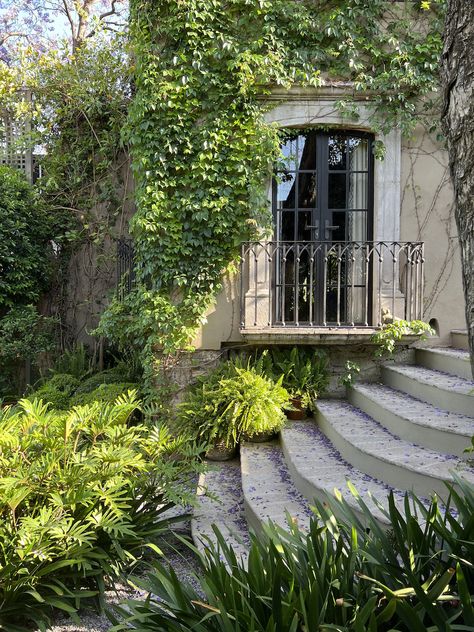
(345,573)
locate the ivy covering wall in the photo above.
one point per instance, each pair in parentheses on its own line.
(201,149)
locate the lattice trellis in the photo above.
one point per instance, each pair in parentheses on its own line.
(11,151)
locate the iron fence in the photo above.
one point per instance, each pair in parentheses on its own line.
(125,267)
(326,283)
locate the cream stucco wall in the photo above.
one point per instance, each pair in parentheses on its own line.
(427,214)
(413,202)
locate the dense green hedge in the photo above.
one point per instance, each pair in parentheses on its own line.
(25,240)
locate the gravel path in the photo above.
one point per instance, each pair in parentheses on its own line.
(177,554)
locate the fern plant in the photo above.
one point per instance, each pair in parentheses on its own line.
(304,373)
(233,402)
(81,492)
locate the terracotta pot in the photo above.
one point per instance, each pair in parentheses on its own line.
(220,452)
(260,437)
(299,413)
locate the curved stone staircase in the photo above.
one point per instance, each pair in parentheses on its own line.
(407,433)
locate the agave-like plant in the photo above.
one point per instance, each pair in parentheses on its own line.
(346,574)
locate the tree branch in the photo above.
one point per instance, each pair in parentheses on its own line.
(113,11)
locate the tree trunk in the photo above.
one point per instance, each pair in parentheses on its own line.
(457,76)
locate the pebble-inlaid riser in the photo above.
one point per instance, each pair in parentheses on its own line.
(269,492)
(414,420)
(317,468)
(226,511)
(459,340)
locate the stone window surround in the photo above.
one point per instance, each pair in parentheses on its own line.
(304,107)
(317,106)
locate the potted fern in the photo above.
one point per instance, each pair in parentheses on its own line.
(305,376)
(233,404)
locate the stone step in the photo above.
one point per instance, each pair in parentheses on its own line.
(269,493)
(414,420)
(317,469)
(448,392)
(220,503)
(453,361)
(459,339)
(371,448)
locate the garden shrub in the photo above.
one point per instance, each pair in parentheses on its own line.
(103,393)
(25,238)
(24,335)
(75,361)
(113,375)
(342,574)
(80,493)
(57,391)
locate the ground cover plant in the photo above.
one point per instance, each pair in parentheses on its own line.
(81,493)
(346,573)
(74,382)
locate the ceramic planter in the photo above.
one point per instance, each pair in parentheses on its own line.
(260,437)
(299,413)
(220,452)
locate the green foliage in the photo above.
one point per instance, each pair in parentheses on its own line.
(103,393)
(80,493)
(346,574)
(57,391)
(24,335)
(119,373)
(351,371)
(76,116)
(304,372)
(25,238)
(231,402)
(74,362)
(201,148)
(392,333)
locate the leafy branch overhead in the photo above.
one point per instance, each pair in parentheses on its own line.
(201,148)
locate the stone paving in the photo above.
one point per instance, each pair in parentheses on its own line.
(416,411)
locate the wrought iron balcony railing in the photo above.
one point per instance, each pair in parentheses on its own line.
(330,284)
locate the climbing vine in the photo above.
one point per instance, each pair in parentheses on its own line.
(201,148)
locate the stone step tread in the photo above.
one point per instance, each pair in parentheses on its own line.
(416,411)
(220,503)
(267,485)
(460,354)
(317,460)
(370,437)
(440,379)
